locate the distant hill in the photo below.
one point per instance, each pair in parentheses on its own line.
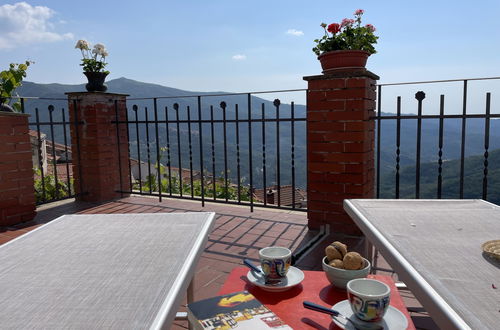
(473,179)
(167,96)
(430,138)
(120,85)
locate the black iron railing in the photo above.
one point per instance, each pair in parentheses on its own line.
(232,148)
(444,153)
(51,147)
(435,140)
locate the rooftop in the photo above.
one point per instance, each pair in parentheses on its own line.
(286,195)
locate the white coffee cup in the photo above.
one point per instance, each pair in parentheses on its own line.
(275,261)
(369,298)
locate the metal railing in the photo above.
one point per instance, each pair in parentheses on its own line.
(447,166)
(51,147)
(219,148)
(230,148)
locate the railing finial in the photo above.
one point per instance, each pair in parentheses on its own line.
(420,95)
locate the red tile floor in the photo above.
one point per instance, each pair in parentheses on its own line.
(237,234)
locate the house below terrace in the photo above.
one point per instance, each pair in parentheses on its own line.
(286,193)
(64,169)
(38,149)
(43,151)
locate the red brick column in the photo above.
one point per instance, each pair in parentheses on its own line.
(17,187)
(340,145)
(96,154)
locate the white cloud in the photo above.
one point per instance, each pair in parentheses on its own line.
(239,57)
(294,32)
(22,24)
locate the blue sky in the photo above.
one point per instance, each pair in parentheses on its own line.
(238,46)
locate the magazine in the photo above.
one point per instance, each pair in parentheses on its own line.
(239,310)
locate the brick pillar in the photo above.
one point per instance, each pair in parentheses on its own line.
(96,155)
(340,145)
(17,187)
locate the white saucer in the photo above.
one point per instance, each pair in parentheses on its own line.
(293,277)
(393,318)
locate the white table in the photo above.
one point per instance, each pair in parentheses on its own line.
(435,247)
(101,271)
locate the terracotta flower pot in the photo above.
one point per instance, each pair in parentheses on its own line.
(341,59)
(96,81)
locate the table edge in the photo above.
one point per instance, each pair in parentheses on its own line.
(166,314)
(23,236)
(409,274)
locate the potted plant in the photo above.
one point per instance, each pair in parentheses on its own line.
(9,80)
(93,65)
(347,44)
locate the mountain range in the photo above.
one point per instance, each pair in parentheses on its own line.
(474,169)
(141,94)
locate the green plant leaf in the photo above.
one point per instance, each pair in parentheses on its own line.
(17,106)
(11,79)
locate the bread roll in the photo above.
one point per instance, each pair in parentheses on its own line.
(353,261)
(337,263)
(332,253)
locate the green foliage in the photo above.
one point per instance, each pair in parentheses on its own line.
(173,186)
(11,79)
(349,35)
(47,188)
(230,193)
(93,65)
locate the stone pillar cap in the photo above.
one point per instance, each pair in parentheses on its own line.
(7,113)
(98,93)
(344,73)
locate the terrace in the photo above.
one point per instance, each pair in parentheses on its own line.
(238,234)
(343,159)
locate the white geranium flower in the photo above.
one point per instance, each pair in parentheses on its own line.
(99,48)
(83,45)
(91,62)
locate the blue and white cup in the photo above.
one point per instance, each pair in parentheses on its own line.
(369,298)
(275,261)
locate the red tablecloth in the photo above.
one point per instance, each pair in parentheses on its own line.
(315,287)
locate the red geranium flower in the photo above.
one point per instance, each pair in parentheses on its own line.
(348,34)
(370,27)
(347,22)
(334,28)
